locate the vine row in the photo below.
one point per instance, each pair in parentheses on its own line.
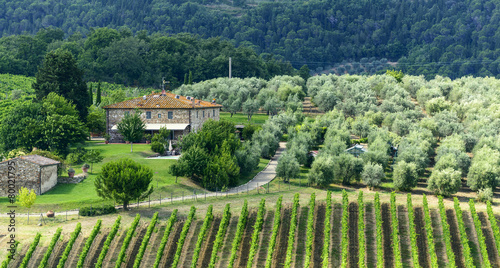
(201,236)
(164,239)
(257,228)
(108,241)
(310,231)
(413,233)
(219,239)
(292,231)
(32,248)
(52,244)
(88,244)
(395,232)
(430,234)
(446,232)
(145,241)
(480,235)
(463,235)
(494,225)
(127,240)
(361,231)
(345,228)
(69,246)
(182,238)
(379,238)
(276,225)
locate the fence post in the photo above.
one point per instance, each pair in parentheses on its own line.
(258,192)
(194,194)
(160,199)
(205,196)
(268,187)
(183,196)
(66,215)
(149,201)
(171,198)
(247,188)
(137,202)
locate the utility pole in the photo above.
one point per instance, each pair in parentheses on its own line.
(229,67)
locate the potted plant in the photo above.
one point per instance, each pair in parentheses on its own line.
(71,172)
(85,167)
(107,137)
(148,138)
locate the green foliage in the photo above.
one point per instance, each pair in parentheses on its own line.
(345,229)
(292,230)
(96,210)
(493,224)
(69,246)
(398,75)
(242,221)
(378,226)
(276,226)
(430,234)
(287,167)
(413,233)
(321,172)
(347,168)
(446,232)
(108,241)
(219,238)
(445,182)
(164,239)
(361,231)
(479,232)
(395,242)
(469,262)
(88,244)
(92,157)
(145,241)
(257,228)
(310,231)
(124,180)
(405,176)
(49,250)
(126,242)
(484,170)
(325,254)
(10,256)
(372,174)
(96,119)
(131,127)
(30,251)
(201,235)
(26,198)
(485,195)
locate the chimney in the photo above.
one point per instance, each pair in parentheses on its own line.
(144,97)
(193,102)
(163,93)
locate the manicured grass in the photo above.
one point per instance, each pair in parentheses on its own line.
(240,118)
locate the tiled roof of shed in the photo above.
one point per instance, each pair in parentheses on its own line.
(158,101)
(40,160)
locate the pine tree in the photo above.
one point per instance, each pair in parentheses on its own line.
(98,97)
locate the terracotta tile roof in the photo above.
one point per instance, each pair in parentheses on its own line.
(40,160)
(166,101)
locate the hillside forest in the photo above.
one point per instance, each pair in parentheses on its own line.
(449,38)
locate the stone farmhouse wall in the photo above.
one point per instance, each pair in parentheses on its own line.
(29,175)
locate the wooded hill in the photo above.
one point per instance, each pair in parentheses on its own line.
(451,38)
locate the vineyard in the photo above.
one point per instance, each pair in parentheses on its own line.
(354,231)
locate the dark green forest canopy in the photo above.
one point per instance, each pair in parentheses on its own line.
(452,38)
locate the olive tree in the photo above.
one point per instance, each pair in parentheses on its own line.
(445,182)
(372,174)
(288,167)
(405,176)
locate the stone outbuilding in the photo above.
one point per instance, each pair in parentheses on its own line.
(180,114)
(30,171)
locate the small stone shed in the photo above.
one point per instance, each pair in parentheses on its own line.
(30,171)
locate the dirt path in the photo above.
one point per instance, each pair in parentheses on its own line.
(353,235)
(171,247)
(208,245)
(114,249)
(423,251)
(190,244)
(37,256)
(336,235)
(267,229)
(370,235)
(473,242)
(404,236)
(133,247)
(301,239)
(490,240)
(244,250)
(225,251)
(437,230)
(386,233)
(279,255)
(456,243)
(319,228)
(57,253)
(19,256)
(154,243)
(96,248)
(74,254)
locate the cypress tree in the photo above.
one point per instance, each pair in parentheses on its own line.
(185,79)
(98,97)
(190,78)
(91,95)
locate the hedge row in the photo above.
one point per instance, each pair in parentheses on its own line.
(361,231)
(69,246)
(97,211)
(430,234)
(127,240)
(480,235)
(395,232)
(469,262)
(378,227)
(108,241)
(310,231)
(182,238)
(10,256)
(145,241)
(88,244)
(164,239)
(201,236)
(257,228)
(52,244)
(276,225)
(219,239)
(494,224)
(446,233)
(413,233)
(32,248)
(292,231)
(325,255)
(345,228)
(242,222)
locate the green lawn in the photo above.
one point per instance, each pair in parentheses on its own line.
(240,118)
(71,196)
